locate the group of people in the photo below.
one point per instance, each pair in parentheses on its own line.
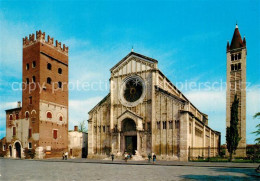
(127,156)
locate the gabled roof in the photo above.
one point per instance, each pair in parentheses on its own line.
(131,112)
(136,54)
(100,102)
(236,40)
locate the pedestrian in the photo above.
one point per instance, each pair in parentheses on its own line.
(149,157)
(63,155)
(112,156)
(125,157)
(154,158)
(66,155)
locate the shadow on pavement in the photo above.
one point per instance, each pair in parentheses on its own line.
(226,174)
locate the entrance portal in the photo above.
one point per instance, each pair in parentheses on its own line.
(129,136)
(18,150)
(131,144)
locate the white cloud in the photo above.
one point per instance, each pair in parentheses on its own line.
(78,109)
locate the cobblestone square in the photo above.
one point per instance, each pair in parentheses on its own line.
(80,170)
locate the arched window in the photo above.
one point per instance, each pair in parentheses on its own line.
(49,80)
(235,66)
(49,66)
(239,56)
(60,118)
(27,66)
(232,57)
(60,84)
(27,115)
(239,66)
(27,80)
(232,67)
(17,116)
(33,64)
(60,71)
(49,115)
(33,79)
(11,117)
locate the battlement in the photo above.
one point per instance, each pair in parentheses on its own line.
(40,37)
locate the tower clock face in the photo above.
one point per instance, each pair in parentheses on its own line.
(132,91)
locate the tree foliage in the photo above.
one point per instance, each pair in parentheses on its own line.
(257,132)
(82,126)
(232,136)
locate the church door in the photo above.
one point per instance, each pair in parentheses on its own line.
(131,144)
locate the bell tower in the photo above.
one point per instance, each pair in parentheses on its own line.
(236,85)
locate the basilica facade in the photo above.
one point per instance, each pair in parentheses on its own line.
(144,113)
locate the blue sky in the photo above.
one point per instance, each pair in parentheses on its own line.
(188,38)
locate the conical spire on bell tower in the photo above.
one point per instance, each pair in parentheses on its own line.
(236,40)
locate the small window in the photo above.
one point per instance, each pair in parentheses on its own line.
(177,124)
(27,66)
(239,66)
(11,117)
(29,133)
(60,71)
(4,147)
(33,79)
(143,126)
(55,134)
(158,125)
(49,66)
(27,115)
(49,115)
(164,124)
(104,129)
(60,118)
(60,84)
(33,64)
(27,81)
(17,116)
(235,66)
(49,80)
(239,56)
(170,125)
(30,100)
(14,131)
(30,145)
(236,57)
(148,126)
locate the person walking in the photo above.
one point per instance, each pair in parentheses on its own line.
(154,158)
(63,155)
(125,157)
(66,155)
(149,157)
(112,156)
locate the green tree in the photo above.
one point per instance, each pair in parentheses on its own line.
(232,136)
(82,126)
(257,132)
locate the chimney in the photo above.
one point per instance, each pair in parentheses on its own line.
(75,128)
(19,104)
